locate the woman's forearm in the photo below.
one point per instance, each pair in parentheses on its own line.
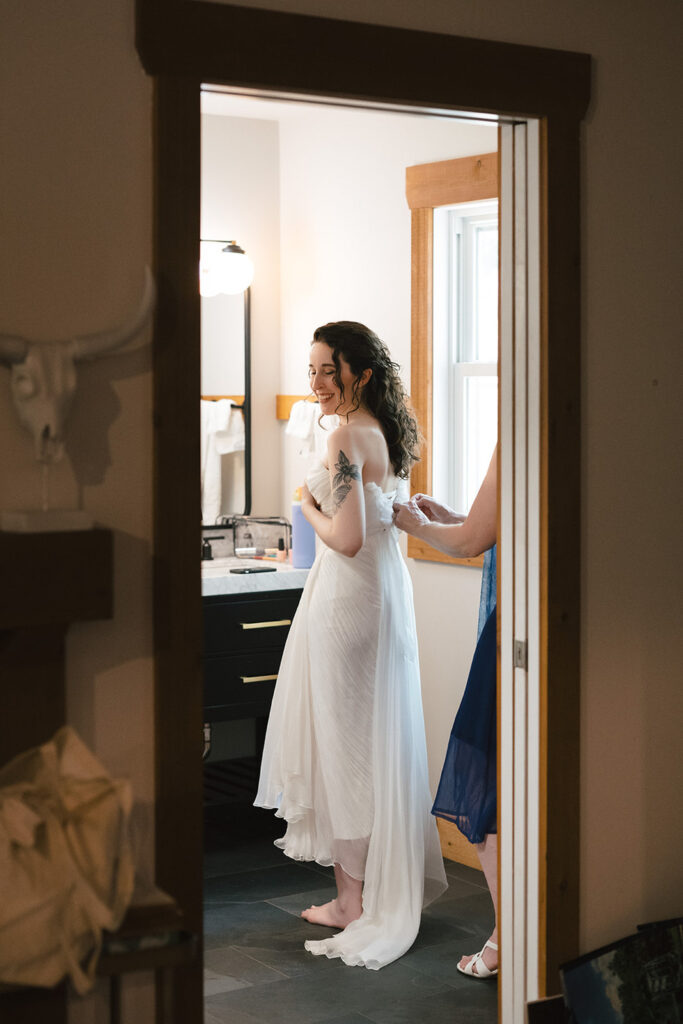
(459,540)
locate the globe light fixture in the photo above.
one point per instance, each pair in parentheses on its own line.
(224,268)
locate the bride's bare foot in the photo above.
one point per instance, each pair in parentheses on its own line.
(332,914)
(347,907)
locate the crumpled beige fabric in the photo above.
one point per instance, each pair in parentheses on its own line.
(66,868)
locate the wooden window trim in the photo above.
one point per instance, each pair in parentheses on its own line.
(429,186)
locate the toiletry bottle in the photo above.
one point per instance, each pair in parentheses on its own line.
(303,536)
(281,552)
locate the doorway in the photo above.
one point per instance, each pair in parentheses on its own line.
(316,194)
(190,42)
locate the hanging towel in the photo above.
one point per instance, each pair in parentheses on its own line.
(301,425)
(231,439)
(321,432)
(215,416)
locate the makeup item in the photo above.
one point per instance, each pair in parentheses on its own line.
(303,536)
(249,552)
(281,550)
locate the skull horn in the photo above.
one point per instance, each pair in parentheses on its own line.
(12,349)
(90,346)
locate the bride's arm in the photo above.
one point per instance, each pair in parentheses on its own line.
(345,531)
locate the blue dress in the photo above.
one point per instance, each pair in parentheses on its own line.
(466,794)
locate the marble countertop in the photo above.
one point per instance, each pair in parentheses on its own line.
(217,578)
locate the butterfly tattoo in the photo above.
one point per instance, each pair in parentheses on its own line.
(341,482)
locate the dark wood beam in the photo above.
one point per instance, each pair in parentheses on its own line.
(177,524)
(272,50)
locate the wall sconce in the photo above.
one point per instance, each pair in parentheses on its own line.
(225,269)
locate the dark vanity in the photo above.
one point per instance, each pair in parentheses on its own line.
(244,636)
(246,618)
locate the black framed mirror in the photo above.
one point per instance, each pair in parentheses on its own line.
(225,401)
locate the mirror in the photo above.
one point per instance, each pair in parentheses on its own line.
(225,394)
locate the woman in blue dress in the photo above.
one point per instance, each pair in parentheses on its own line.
(466,794)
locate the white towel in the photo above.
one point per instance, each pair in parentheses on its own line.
(231,439)
(301,425)
(309,429)
(215,417)
(321,432)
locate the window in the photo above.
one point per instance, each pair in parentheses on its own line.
(465,346)
(454,328)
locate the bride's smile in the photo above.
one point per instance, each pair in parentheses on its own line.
(325,382)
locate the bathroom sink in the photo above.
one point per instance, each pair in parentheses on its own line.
(218,580)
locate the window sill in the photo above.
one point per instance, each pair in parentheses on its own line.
(425,552)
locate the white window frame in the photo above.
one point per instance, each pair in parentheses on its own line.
(455,228)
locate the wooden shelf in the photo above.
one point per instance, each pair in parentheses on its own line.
(55,578)
(235,399)
(157,919)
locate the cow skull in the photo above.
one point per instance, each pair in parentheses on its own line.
(44,374)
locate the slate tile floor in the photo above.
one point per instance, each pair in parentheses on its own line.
(257,971)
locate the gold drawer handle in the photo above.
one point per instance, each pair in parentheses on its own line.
(266,625)
(258,679)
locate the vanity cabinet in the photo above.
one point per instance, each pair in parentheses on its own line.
(244,636)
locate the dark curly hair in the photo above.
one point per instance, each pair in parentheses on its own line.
(383,394)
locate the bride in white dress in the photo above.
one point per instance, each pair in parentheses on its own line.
(344,761)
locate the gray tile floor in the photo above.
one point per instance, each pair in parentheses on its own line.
(257,971)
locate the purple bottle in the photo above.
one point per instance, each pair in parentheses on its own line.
(303,536)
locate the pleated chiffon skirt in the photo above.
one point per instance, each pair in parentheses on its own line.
(466,794)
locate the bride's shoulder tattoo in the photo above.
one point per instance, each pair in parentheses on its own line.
(341,482)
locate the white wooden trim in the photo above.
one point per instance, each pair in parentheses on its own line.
(519,837)
(520,382)
(533,557)
(506,575)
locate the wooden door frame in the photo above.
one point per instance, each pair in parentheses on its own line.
(186,42)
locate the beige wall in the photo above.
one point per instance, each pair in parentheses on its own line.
(76,199)
(75,187)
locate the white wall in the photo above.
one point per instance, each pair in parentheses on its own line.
(346,256)
(346,222)
(76,214)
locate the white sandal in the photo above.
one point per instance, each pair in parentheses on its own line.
(478,960)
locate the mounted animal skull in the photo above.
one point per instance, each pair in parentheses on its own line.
(44,374)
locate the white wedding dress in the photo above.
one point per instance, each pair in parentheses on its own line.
(344,761)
